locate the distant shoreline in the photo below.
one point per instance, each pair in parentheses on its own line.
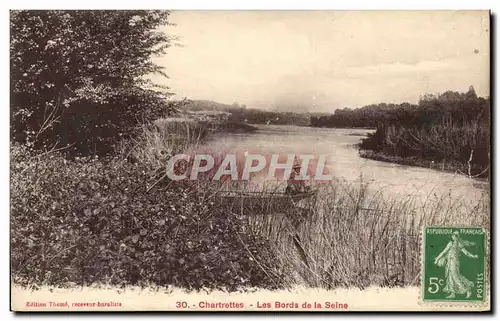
(447,167)
(236,127)
(346,127)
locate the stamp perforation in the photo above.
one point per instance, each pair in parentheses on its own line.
(449,303)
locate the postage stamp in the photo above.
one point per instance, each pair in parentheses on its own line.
(454,264)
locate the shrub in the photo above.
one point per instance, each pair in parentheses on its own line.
(351,236)
(79,78)
(156,143)
(463,145)
(92,221)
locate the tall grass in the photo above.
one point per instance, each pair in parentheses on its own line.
(157,142)
(464,147)
(346,236)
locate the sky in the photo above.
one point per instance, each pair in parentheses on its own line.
(319,61)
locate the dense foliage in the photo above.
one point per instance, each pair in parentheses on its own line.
(458,107)
(79,82)
(92,221)
(452,129)
(80,78)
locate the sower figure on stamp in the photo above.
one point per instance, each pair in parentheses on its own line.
(456,283)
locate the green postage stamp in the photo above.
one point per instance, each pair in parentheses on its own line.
(454,266)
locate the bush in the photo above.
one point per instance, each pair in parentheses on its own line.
(353,236)
(79,78)
(464,145)
(92,221)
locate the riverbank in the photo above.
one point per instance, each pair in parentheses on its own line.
(235,127)
(443,166)
(410,161)
(132,226)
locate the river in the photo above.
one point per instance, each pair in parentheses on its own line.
(392,180)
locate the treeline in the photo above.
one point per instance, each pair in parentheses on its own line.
(451,130)
(365,117)
(240,113)
(462,107)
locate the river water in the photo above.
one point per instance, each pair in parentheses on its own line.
(391,180)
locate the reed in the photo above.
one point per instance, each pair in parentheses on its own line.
(348,236)
(157,142)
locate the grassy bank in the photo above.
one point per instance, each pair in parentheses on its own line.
(412,161)
(450,147)
(96,220)
(345,237)
(118,221)
(237,127)
(157,142)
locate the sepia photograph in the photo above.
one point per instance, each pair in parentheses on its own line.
(251,160)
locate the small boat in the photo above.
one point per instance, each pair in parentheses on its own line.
(261,202)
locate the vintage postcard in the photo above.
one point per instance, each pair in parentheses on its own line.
(280,161)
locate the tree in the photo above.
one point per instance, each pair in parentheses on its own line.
(471,94)
(81,77)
